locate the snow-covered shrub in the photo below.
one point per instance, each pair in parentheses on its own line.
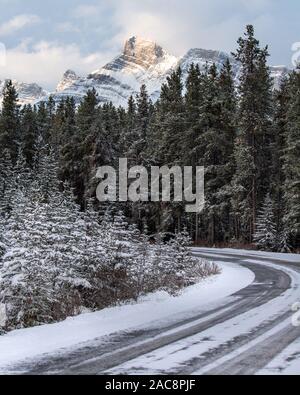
(185,269)
(41,272)
(56,261)
(171,265)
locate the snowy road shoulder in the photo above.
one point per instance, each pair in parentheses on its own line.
(159,307)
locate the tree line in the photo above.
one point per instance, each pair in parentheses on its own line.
(246,135)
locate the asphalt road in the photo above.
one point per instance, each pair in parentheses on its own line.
(245,353)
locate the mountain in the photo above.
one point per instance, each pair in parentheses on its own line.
(28,93)
(141,62)
(144,62)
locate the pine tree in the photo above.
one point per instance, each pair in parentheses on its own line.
(183,259)
(278,145)
(291,161)
(6,182)
(119,250)
(42,274)
(87,112)
(216,142)
(29,133)
(44,122)
(254,129)
(283,242)
(139,123)
(171,119)
(76,156)
(226,168)
(9,121)
(265,236)
(241,185)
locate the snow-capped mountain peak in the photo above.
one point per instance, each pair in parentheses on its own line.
(141,62)
(68,79)
(143,52)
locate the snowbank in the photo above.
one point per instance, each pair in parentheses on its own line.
(34,342)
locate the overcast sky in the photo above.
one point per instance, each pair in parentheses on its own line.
(43,39)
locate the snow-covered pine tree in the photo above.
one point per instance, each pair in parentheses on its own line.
(6,182)
(95,261)
(283,242)
(266,234)
(29,133)
(3,241)
(240,186)
(277,184)
(254,130)
(129,128)
(171,119)
(119,249)
(215,145)
(9,121)
(42,274)
(43,122)
(141,272)
(158,261)
(66,239)
(291,160)
(184,264)
(24,288)
(162,264)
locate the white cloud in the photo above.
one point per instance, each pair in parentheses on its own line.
(179,26)
(46,62)
(176,25)
(18,22)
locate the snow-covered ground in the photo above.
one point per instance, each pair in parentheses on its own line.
(35,342)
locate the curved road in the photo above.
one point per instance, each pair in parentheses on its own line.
(241,336)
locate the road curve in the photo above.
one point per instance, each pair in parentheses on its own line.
(245,353)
